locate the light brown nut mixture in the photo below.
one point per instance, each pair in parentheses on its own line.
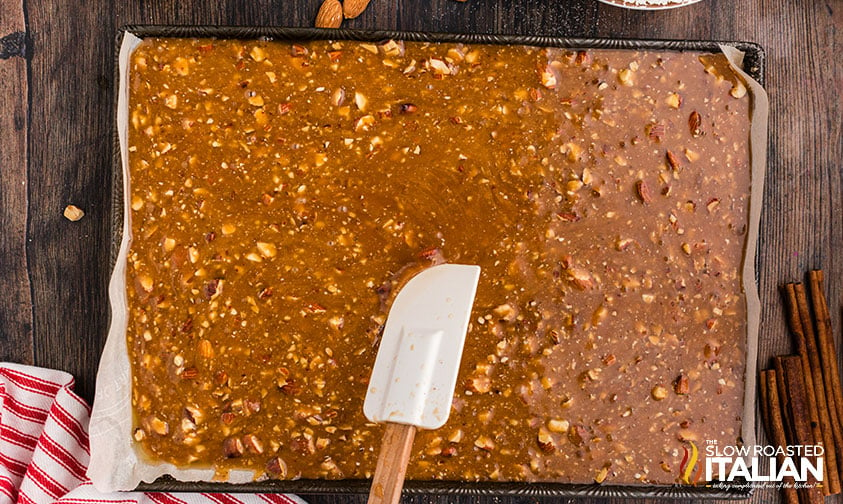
(281,192)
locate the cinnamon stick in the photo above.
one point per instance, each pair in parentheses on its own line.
(828,356)
(763,391)
(816,371)
(781,389)
(796,401)
(772,413)
(797,328)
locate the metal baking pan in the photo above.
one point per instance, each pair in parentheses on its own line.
(754,62)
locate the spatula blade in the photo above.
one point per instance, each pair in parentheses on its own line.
(416,368)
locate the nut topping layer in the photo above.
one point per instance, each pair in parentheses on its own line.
(282,193)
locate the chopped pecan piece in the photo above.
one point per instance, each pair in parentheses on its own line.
(276,467)
(680,385)
(232,447)
(303,445)
(643,191)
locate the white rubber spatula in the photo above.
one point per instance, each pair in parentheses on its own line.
(416,368)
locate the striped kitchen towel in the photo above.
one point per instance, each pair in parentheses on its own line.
(44,447)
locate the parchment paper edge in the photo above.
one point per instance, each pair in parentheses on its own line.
(760,109)
(116,464)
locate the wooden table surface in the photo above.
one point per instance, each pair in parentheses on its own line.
(56,124)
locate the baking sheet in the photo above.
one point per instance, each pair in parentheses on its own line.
(115,463)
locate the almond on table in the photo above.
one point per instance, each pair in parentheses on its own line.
(330,14)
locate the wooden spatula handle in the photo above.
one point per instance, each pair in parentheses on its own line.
(392,464)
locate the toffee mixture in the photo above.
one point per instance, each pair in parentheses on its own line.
(281,192)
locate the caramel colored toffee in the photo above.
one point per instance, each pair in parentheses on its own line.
(281,193)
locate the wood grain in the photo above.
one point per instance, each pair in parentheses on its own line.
(15,300)
(70,163)
(63,149)
(396,446)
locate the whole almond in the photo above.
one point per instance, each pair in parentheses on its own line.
(353,8)
(329,15)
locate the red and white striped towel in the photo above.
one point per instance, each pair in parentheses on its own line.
(44,447)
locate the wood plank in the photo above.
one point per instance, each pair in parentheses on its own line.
(70,163)
(15,300)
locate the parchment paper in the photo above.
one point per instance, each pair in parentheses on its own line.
(115,462)
(760,109)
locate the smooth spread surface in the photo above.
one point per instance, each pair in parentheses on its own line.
(280,192)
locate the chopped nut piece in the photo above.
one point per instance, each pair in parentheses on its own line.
(285,108)
(303,445)
(505,312)
(257,53)
(267,249)
(712,205)
(74,213)
(478,384)
(361,101)
(277,468)
(439,66)
(624,243)
(673,100)
(407,108)
(232,447)
(694,123)
(659,393)
(581,279)
(680,385)
(364,122)
(338,97)
(455,436)
(484,443)
(448,451)
(545,441)
(145,282)
(159,426)
(336,323)
(548,77)
(577,434)
(253,444)
(643,191)
(672,161)
(557,425)
(189,373)
(625,77)
(601,475)
(587,178)
(291,388)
